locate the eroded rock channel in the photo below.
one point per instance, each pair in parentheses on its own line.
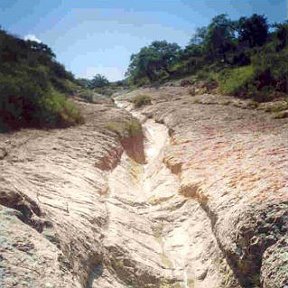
(154,236)
(198,201)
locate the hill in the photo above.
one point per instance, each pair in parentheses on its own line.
(33,86)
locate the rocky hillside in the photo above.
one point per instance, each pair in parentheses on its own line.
(197,197)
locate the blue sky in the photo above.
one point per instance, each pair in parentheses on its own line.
(98,36)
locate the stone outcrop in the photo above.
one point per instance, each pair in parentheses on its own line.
(52,187)
(232,160)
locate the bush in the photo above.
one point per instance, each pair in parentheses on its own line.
(93,97)
(272,70)
(141,100)
(87,95)
(27,99)
(44,110)
(57,111)
(236,80)
(19,98)
(126,129)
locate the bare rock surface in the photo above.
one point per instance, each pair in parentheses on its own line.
(233,161)
(200,201)
(52,205)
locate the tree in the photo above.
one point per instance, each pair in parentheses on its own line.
(192,50)
(151,61)
(218,39)
(98,81)
(199,37)
(142,64)
(83,82)
(253,30)
(282,35)
(167,54)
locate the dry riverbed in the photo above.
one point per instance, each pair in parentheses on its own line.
(207,208)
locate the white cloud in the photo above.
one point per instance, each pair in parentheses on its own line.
(111,73)
(32,37)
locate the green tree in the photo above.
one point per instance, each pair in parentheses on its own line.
(98,81)
(282,35)
(192,50)
(151,61)
(199,36)
(167,54)
(219,38)
(253,30)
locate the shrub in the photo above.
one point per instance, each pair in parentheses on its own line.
(25,104)
(87,95)
(272,70)
(141,100)
(57,111)
(237,80)
(19,98)
(126,129)
(106,91)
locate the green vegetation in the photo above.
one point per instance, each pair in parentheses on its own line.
(153,62)
(126,129)
(98,81)
(247,58)
(91,96)
(33,86)
(101,86)
(233,81)
(141,100)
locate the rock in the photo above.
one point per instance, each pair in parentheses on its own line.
(68,204)
(208,207)
(3,153)
(210,144)
(185,83)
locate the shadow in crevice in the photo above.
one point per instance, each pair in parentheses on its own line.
(134,147)
(96,273)
(29,211)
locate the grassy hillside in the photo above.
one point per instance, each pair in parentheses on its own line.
(33,86)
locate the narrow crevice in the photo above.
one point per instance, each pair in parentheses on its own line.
(195,193)
(134,147)
(116,259)
(95,273)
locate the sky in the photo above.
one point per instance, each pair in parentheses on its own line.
(99,36)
